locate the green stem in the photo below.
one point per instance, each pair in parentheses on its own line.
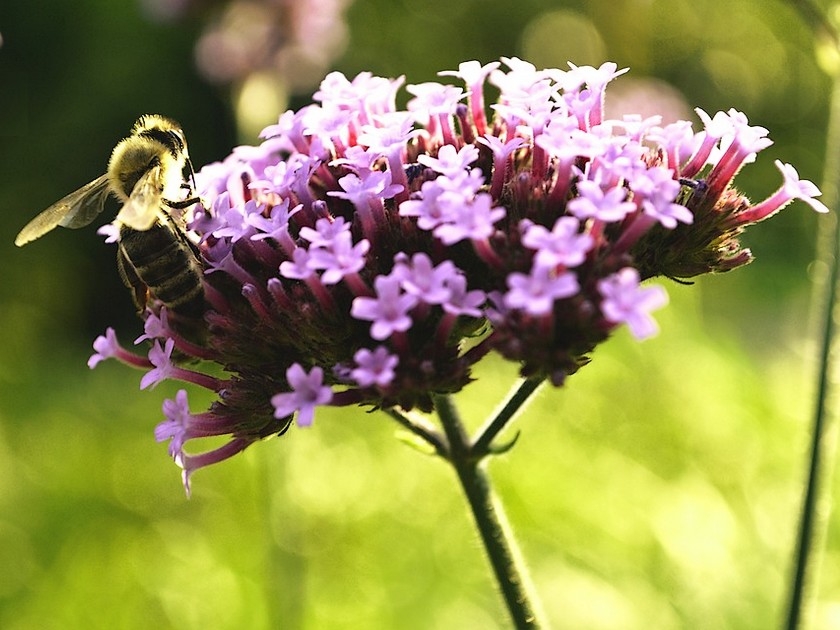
(509,407)
(505,559)
(813,519)
(421,429)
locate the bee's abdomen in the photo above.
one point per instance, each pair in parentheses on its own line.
(165,263)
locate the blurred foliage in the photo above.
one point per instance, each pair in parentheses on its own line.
(660,488)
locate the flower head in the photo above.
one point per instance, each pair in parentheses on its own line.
(367,255)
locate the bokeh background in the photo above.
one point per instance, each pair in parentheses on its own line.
(659,489)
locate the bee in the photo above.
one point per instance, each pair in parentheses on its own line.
(155,258)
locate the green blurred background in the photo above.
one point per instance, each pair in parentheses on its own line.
(659,489)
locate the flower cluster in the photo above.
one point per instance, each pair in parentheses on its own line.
(364,254)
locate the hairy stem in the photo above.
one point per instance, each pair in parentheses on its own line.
(493,527)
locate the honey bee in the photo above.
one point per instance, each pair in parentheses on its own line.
(155,258)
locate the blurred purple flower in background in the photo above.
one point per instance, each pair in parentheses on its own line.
(270,48)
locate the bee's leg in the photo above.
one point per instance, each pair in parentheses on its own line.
(179,207)
(182,205)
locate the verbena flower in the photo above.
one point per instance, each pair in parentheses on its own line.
(350,257)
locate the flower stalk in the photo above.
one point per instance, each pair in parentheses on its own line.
(816,500)
(490,520)
(514,403)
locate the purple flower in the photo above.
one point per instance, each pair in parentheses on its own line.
(502,151)
(360,190)
(424,281)
(596,203)
(678,142)
(522,76)
(536,293)
(374,368)
(388,310)
(174,428)
(474,221)
(235,225)
(276,224)
(563,245)
(473,75)
(326,229)
(450,162)
(461,301)
(388,138)
(299,268)
(562,138)
(657,189)
(190,463)
(110,231)
(625,302)
(163,369)
(595,79)
(433,105)
(792,188)
(308,391)
(744,141)
(429,209)
(330,121)
(180,426)
(433,98)
(155,327)
(340,259)
(366,94)
(391,133)
(106,347)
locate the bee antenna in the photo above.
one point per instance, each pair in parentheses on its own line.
(192,172)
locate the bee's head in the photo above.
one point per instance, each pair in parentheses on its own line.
(155,142)
(163,129)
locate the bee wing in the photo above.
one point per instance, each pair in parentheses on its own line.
(144,204)
(75,210)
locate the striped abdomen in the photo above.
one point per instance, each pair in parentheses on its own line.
(161,263)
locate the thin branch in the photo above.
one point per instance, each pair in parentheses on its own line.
(813,519)
(422,429)
(811,530)
(508,409)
